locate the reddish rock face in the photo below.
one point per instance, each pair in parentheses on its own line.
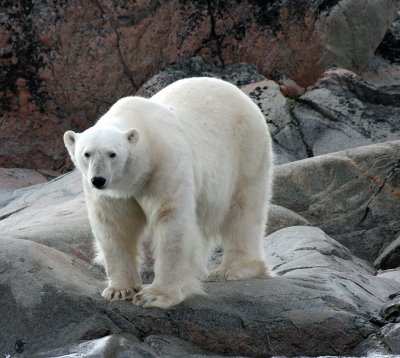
(63,63)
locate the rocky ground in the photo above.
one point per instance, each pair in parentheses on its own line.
(333,236)
(325,299)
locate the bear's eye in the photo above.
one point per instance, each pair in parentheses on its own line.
(87,155)
(113,155)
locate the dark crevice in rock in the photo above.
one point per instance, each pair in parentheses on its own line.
(297,125)
(124,64)
(389,48)
(268,14)
(326,5)
(124,323)
(5,216)
(324,111)
(283,272)
(214,41)
(119,50)
(379,188)
(368,92)
(213,35)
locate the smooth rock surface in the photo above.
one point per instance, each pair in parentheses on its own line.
(280,217)
(14,178)
(352,195)
(393,274)
(53,214)
(46,298)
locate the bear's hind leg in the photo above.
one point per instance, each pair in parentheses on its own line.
(242,241)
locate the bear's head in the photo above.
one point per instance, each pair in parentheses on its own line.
(101,154)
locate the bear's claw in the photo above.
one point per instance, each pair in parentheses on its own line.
(115,294)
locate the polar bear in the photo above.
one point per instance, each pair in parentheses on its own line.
(189,165)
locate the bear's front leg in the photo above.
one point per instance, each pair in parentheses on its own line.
(176,268)
(117,225)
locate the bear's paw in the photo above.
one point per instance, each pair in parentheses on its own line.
(152,297)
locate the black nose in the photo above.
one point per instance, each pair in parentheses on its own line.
(98,182)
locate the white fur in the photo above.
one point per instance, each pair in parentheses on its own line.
(192,163)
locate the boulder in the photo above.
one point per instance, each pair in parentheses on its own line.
(286,139)
(280,217)
(46,298)
(352,195)
(339,112)
(82,57)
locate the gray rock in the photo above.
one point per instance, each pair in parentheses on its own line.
(389,258)
(389,48)
(280,217)
(352,195)
(116,345)
(322,303)
(393,274)
(391,310)
(46,298)
(287,143)
(239,74)
(53,214)
(384,343)
(13,178)
(358,18)
(125,345)
(340,112)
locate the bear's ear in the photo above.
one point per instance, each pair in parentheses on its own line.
(132,135)
(69,141)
